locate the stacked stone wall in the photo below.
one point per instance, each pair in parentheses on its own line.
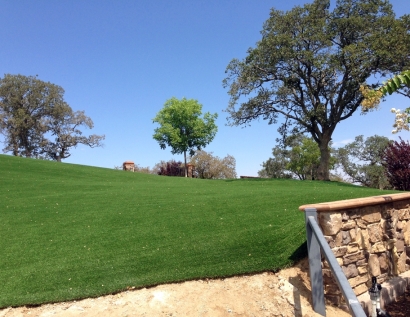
(366,241)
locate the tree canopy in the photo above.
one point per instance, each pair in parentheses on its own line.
(362,161)
(182,128)
(37,122)
(306,71)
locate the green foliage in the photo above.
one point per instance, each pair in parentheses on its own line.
(299,157)
(395,83)
(362,161)
(309,64)
(37,122)
(70,231)
(182,127)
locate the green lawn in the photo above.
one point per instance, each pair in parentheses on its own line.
(71,231)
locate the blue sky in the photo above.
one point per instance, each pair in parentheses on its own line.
(121,60)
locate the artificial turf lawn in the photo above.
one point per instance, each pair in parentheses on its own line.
(71,231)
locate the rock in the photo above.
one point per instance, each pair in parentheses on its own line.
(362,239)
(383,263)
(362,288)
(349,225)
(352,258)
(404,214)
(352,248)
(400,245)
(378,248)
(362,269)
(353,234)
(350,271)
(374,265)
(402,263)
(375,233)
(339,251)
(331,223)
(358,280)
(346,237)
(361,224)
(371,214)
(407,233)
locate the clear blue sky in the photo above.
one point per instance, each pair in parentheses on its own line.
(121,60)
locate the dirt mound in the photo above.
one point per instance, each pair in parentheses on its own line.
(286,293)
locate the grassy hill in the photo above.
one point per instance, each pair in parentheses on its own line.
(71,231)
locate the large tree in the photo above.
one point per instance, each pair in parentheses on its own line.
(307,68)
(25,103)
(37,122)
(182,127)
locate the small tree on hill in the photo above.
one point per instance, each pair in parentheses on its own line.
(397,164)
(182,127)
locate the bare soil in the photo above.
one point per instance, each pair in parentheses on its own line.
(401,307)
(286,293)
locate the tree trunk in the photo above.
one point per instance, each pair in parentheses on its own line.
(186,173)
(323,169)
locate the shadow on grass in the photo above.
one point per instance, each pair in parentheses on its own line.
(300,253)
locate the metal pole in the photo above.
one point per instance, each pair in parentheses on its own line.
(315,265)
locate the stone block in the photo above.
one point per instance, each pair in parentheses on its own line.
(352,248)
(355,281)
(378,247)
(374,265)
(383,262)
(407,234)
(382,278)
(346,237)
(350,224)
(345,216)
(331,223)
(330,241)
(362,270)
(402,263)
(339,251)
(400,225)
(352,258)
(371,214)
(400,245)
(375,233)
(350,271)
(362,239)
(339,239)
(362,288)
(361,262)
(361,223)
(353,234)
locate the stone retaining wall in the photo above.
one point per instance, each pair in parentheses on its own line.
(369,237)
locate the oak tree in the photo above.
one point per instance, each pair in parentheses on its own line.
(306,71)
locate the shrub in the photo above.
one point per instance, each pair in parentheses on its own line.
(170,168)
(397,163)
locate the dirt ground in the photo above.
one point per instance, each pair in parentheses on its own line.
(286,293)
